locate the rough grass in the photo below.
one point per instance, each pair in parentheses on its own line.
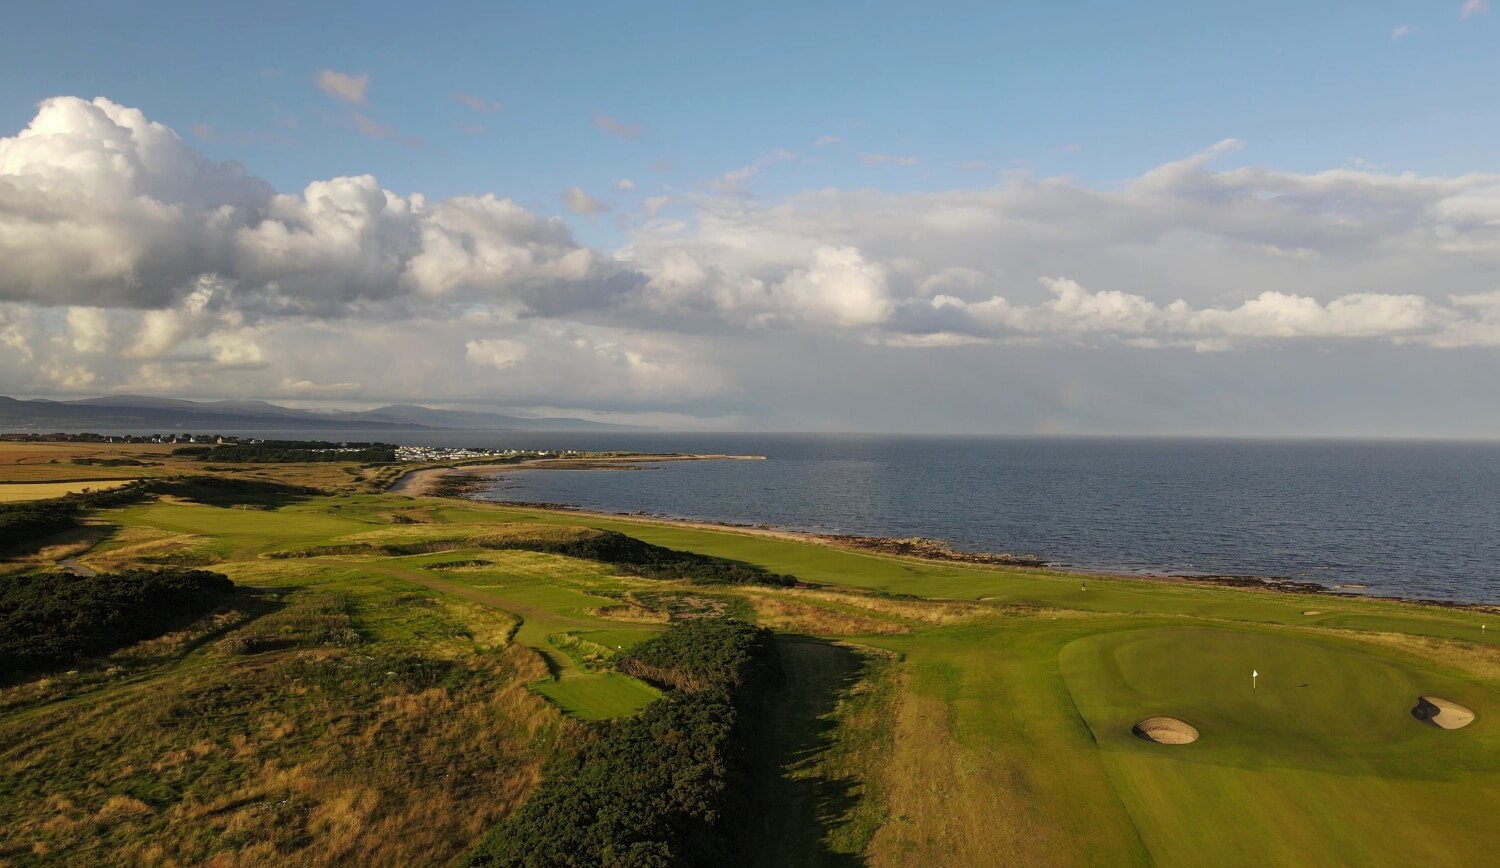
(337,723)
(25,491)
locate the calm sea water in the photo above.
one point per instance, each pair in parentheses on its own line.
(1406,519)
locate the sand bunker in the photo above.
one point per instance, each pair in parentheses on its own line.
(1313,612)
(1166,730)
(1442,713)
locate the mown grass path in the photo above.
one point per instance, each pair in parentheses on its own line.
(801,802)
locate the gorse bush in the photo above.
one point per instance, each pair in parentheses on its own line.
(704,654)
(664,788)
(637,557)
(53,619)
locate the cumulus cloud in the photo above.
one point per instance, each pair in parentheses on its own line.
(343,86)
(580,202)
(101,207)
(129,262)
(1401,32)
(1471,8)
(1184,254)
(625,185)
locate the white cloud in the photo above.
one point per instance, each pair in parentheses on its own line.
(101,207)
(1401,32)
(625,185)
(973,165)
(1183,254)
(89,329)
(1471,8)
(342,86)
(129,262)
(828,141)
(580,202)
(495,353)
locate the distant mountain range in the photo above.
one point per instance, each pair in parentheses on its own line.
(135,412)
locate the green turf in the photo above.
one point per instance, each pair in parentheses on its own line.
(1321,761)
(598,697)
(1020,748)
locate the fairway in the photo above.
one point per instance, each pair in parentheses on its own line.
(1322,759)
(598,697)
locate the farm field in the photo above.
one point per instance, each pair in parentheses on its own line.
(934,713)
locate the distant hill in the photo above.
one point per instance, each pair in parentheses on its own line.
(166,414)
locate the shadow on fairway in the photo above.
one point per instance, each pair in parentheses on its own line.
(797,805)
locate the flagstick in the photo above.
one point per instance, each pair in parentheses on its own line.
(1254,677)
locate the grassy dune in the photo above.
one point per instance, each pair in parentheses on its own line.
(357,705)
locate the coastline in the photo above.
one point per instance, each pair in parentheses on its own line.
(428,482)
(421,481)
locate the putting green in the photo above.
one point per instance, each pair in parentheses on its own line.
(1320,762)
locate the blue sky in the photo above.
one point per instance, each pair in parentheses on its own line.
(1101,91)
(1275,218)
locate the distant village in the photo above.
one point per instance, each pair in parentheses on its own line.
(403,453)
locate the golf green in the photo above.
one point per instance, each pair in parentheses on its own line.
(1319,759)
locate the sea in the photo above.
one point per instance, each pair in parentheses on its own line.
(1405,519)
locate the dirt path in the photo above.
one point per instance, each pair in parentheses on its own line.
(76,568)
(798,801)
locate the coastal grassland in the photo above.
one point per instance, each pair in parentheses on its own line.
(1018,587)
(333,717)
(980,716)
(1004,750)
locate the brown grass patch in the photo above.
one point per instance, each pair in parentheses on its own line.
(301,758)
(790,614)
(1471,657)
(630,612)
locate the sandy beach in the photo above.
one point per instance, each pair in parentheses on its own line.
(421,483)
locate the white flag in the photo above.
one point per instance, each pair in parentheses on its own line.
(1254,674)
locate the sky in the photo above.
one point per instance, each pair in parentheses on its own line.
(1273,219)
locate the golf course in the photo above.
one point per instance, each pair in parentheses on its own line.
(392,675)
